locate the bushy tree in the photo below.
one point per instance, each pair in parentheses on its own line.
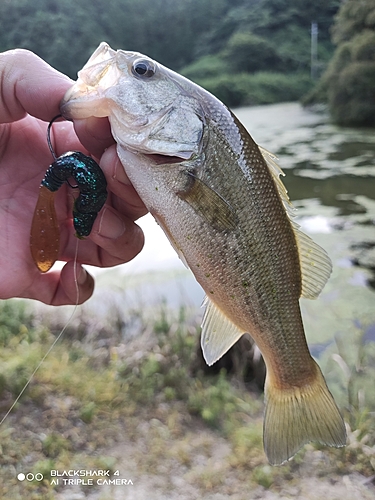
(353,17)
(246,52)
(349,82)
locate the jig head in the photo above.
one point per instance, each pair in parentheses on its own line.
(92,184)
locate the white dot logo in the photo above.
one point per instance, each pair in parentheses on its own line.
(30,477)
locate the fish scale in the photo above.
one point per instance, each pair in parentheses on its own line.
(220,201)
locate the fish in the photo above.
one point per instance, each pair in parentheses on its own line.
(219,198)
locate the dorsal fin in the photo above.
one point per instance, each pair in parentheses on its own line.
(316,266)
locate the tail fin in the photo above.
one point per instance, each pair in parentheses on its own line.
(295,416)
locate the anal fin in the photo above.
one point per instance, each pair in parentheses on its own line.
(218,333)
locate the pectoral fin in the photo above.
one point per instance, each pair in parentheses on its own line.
(207,203)
(218,333)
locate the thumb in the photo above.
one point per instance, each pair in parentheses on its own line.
(64,287)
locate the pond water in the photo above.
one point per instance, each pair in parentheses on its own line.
(330,177)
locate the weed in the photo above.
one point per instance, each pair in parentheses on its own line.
(15,319)
(44,467)
(54,445)
(87,412)
(213,400)
(161,324)
(263,475)
(352,373)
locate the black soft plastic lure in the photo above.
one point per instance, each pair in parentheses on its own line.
(92,184)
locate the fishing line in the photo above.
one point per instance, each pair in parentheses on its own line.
(50,146)
(54,342)
(49,142)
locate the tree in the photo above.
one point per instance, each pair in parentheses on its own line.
(353,17)
(246,52)
(348,85)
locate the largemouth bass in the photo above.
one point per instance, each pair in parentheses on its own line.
(220,201)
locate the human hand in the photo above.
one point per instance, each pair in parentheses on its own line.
(30,93)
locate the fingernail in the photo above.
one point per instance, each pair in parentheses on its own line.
(111,226)
(120,174)
(81,279)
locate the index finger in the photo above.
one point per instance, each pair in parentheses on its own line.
(29,85)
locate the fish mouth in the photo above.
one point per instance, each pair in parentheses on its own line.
(161,159)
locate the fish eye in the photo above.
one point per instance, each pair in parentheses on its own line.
(143,68)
